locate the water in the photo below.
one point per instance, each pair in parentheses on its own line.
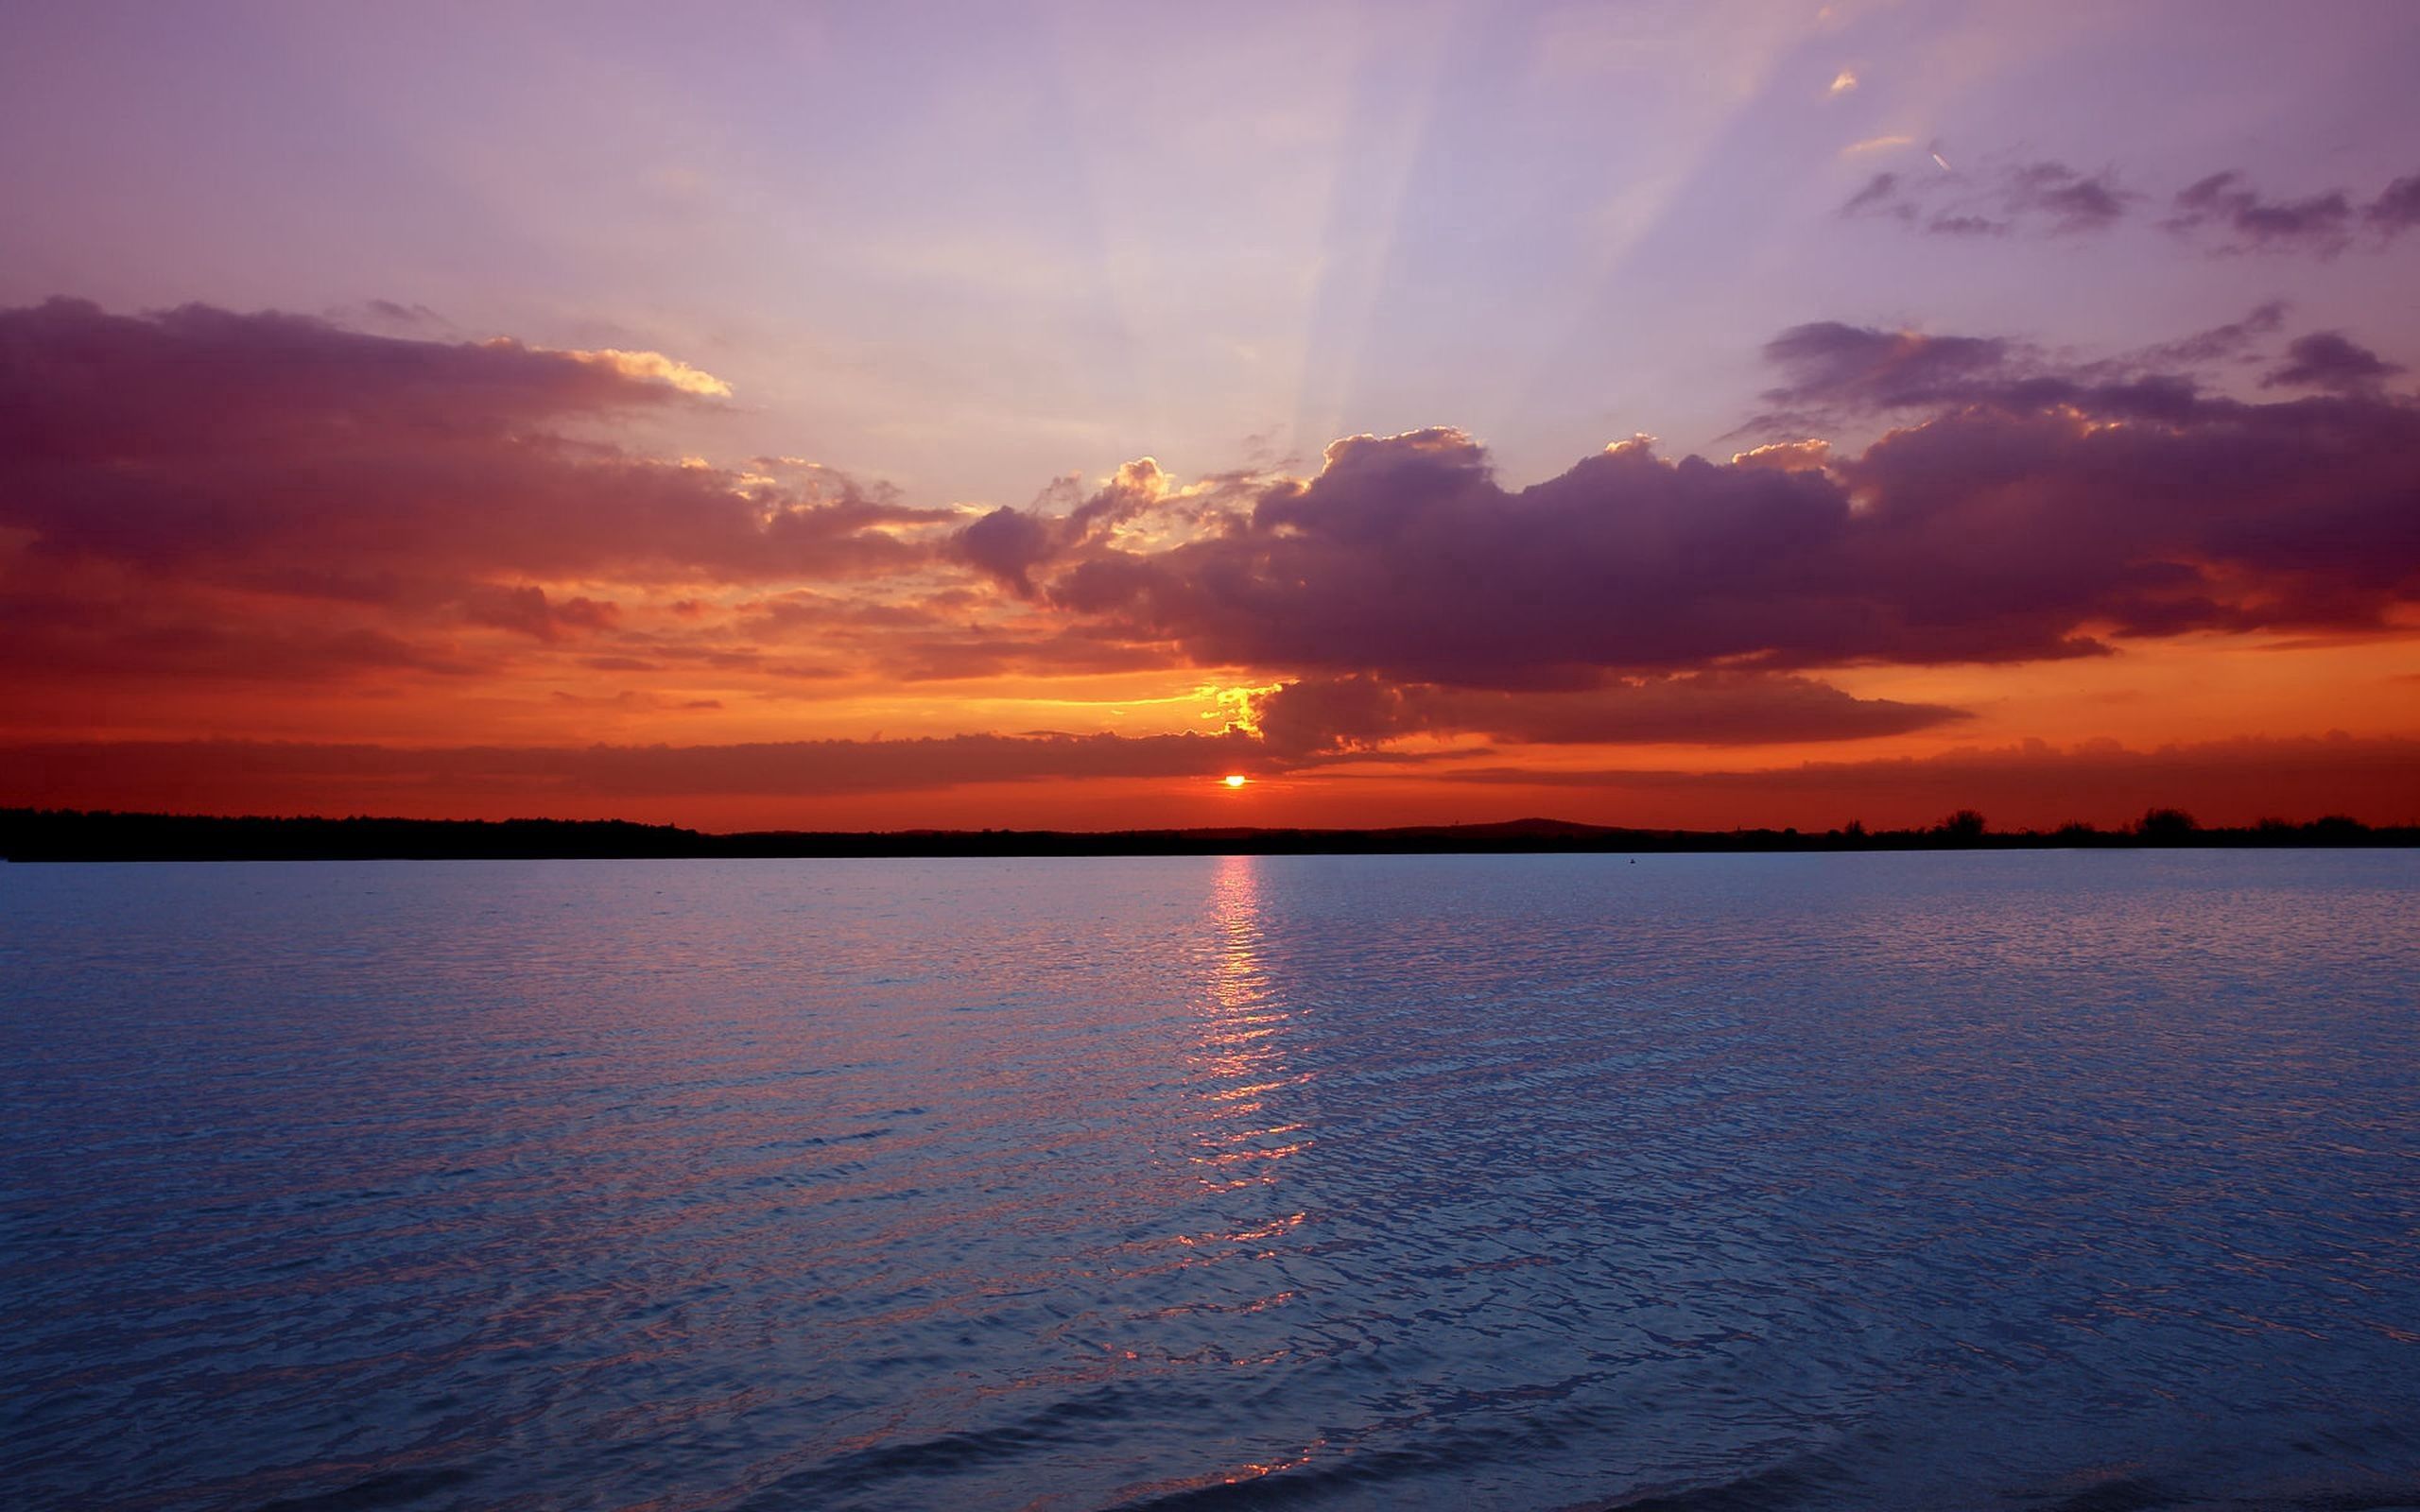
(2041,1181)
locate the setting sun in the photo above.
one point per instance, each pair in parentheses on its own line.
(1827,593)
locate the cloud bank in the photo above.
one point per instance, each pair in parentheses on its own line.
(199,497)
(2030,514)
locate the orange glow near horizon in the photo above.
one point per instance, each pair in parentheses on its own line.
(1398,635)
(547,712)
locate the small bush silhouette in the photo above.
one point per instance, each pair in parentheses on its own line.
(1964,826)
(2166,825)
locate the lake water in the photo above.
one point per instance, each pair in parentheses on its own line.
(2070,1181)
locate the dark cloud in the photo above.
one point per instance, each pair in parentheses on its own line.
(2222,211)
(222,492)
(1007,544)
(69,634)
(200,443)
(1966,226)
(527,610)
(2227,213)
(1830,364)
(394,313)
(2041,198)
(2232,217)
(1991,523)
(2219,343)
(2068,201)
(2028,510)
(2397,210)
(629,700)
(1711,708)
(1881,195)
(1837,371)
(2330,360)
(213,497)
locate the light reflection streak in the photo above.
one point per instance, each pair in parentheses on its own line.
(1240,1055)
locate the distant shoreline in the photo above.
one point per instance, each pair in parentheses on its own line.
(73,836)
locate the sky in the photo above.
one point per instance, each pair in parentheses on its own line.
(859,417)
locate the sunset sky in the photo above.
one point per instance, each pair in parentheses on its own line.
(867,417)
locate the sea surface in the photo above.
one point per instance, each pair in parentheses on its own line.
(2064,1182)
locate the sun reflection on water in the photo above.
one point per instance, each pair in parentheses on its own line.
(1239,1058)
(1401,1180)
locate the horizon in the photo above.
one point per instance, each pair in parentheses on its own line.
(1412,753)
(2160,825)
(516,417)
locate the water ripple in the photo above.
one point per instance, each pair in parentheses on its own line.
(2001,1181)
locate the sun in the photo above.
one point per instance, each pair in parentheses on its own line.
(1234,779)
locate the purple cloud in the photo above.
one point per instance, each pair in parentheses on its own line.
(2330,360)
(2241,220)
(2221,210)
(2043,197)
(2397,210)
(270,448)
(2032,506)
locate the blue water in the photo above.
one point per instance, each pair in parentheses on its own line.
(2077,1181)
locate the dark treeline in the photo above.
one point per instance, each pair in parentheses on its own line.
(67,834)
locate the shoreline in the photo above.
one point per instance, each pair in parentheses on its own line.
(77,835)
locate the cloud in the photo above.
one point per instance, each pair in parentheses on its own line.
(392,312)
(200,496)
(2396,210)
(529,610)
(2034,784)
(204,479)
(631,700)
(2219,343)
(2225,214)
(2328,359)
(1828,362)
(244,776)
(1007,544)
(65,634)
(652,367)
(2067,201)
(200,443)
(1834,370)
(2221,211)
(2223,207)
(2028,511)
(1710,707)
(1811,455)
(1880,192)
(937,641)
(2044,197)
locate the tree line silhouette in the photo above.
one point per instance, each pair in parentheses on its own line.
(70,835)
